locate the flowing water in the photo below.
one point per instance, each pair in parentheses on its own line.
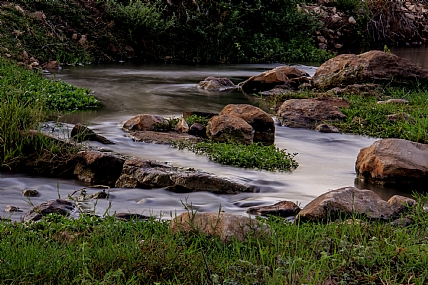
(326,160)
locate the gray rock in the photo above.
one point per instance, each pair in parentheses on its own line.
(57,206)
(212,83)
(325,128)
(10,208)
(401,205)
(82,133)
(31,193)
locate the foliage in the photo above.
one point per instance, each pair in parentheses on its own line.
(25,97)
(255,155)
(167,125)
(91,250)
(190,120)
(195,31)
(366,117)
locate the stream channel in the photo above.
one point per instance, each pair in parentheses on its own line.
(326,161)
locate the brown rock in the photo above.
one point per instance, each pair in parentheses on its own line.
(223,225)
(307,113)
(51,65)
(98,167)
(373,66)
(144,122)
(230,129)
(344,202)
(197,129)
(269,79)
(398,117)
(181,126)
(393,161)
(30,193)
(162,137)
(82,133)
(262,123)
(400,204)
(325,128)
(282,209)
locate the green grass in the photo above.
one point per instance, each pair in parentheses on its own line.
(255,155)
(26,99)
(366,117)
(90,250)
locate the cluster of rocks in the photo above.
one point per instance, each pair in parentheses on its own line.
(239,123)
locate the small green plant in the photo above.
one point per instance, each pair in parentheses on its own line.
(255,155)
(190,120)
(167,125)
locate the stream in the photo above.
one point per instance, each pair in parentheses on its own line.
(326,161)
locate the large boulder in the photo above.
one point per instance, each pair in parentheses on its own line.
(262,123)
(223,225)
(151,174)
(307,113)
(216,84)
(98,167)
(268,80)
(143,122)
(393,161)
(230,129)
(345,202)
(370,67)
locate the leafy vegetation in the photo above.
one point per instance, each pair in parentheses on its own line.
(26,99)
(203,31)
(91,250)
(255,155)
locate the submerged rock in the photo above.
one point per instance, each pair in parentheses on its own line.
(82,133)
(212,83)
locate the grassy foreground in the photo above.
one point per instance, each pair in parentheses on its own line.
(91,250)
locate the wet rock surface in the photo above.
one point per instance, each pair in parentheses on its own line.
(82,133)
(58,206)
(212,83)
(143,122)
(162,137)
(230,129)
(282,209)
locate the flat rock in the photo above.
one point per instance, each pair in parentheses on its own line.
(143,122)
(162,137)
(225,226)
(282,209)
(393,161)
(345,202)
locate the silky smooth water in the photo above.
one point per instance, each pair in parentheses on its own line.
(326,161)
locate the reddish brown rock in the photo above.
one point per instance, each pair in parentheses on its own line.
(344,202)
(307,113)
(262,123)
(393,161)
(143,122)
(269,79)
(370,67)
(230,129)
(223,225)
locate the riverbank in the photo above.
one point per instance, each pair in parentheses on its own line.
(92,250)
